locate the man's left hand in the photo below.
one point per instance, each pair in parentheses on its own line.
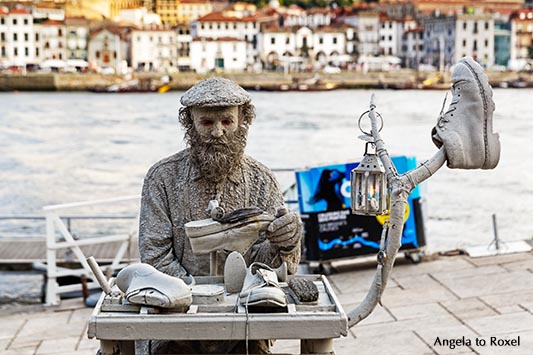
(284,231)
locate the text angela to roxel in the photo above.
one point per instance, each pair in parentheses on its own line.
(452,343)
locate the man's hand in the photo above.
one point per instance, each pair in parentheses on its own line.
(284,231)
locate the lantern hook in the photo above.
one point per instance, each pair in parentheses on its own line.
(366,113)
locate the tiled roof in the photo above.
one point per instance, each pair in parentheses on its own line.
(19,12)
(219,17)
(52,23)
(195,2)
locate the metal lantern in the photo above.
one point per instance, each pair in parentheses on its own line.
(369,186)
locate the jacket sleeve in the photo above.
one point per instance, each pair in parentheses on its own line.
(155,229)
(265,252)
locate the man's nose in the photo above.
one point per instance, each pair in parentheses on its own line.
(218,130)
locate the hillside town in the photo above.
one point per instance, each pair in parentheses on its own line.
(119,36)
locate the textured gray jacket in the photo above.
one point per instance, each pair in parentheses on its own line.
(174,193)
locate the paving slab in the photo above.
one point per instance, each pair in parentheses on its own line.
(487,270)
(379,315)
(414,311)
(403,342)
(65,344)
(480,285)
(469,308)
(439,265)
(501,259)
(420,281)
(509,302)
(399,297)
(502,323)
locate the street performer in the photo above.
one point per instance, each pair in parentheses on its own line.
(216,115)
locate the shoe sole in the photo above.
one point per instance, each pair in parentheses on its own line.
(208,226)
(492,139)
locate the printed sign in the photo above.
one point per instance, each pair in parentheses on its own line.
(331,230)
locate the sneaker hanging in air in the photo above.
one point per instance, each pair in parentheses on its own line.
(465,129)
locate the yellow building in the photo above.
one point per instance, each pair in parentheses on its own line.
(99,9)
(167,11)
(190,10)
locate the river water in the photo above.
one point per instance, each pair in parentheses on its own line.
(65,147)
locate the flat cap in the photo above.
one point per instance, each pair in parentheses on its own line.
(215,92)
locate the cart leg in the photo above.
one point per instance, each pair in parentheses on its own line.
(317,346)
(115,347)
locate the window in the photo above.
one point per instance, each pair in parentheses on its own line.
(2,22)
(464,42)
(334,40)
(320,40)
(15,37)
(475,45)
(25,21)
(60,56)
(3,52)
(2,36)
(288,40)
(97,54)
(115,54)
(26,37)
(390,24)
(273,40)
(487,25)
(59,32)
(475,27)
(464,25)
(37,37)
(36,52)
(16,51)
(26,51)
(390,38)
(14,21)
(486,43)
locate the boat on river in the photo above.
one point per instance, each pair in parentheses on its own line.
(136,85)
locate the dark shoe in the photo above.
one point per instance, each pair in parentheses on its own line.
(465,129)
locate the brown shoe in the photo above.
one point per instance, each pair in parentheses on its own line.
(465,129)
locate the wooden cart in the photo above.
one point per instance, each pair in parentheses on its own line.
(117,324)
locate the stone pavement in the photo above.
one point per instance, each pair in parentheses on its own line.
(448,305)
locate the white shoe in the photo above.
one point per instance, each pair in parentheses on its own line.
(143,284)
(261,288)
(465,129)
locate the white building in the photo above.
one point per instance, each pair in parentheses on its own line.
(41,12)
(108,48)
(51,41)
(154,50)
(475,38)
(77,36)
(217,25)
(224,53)
(311,18)
(16,38)
(439,40)
(521,39)
(412,47)
(330,45)
(368,30)
(183,45)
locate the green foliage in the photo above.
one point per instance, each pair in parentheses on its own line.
(530,51)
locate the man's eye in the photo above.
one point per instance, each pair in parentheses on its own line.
(207,123)
(227,122)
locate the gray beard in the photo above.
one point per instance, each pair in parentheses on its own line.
(217,158)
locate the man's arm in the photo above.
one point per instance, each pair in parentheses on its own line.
(155,229)
(282,241)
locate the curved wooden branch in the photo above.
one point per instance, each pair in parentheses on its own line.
(400,187)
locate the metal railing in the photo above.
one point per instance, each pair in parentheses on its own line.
(56,227)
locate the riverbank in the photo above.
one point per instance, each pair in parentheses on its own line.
(444,305)
(400,79)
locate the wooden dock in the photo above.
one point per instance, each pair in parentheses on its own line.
(30,250)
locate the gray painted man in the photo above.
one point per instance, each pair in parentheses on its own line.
(216,114)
